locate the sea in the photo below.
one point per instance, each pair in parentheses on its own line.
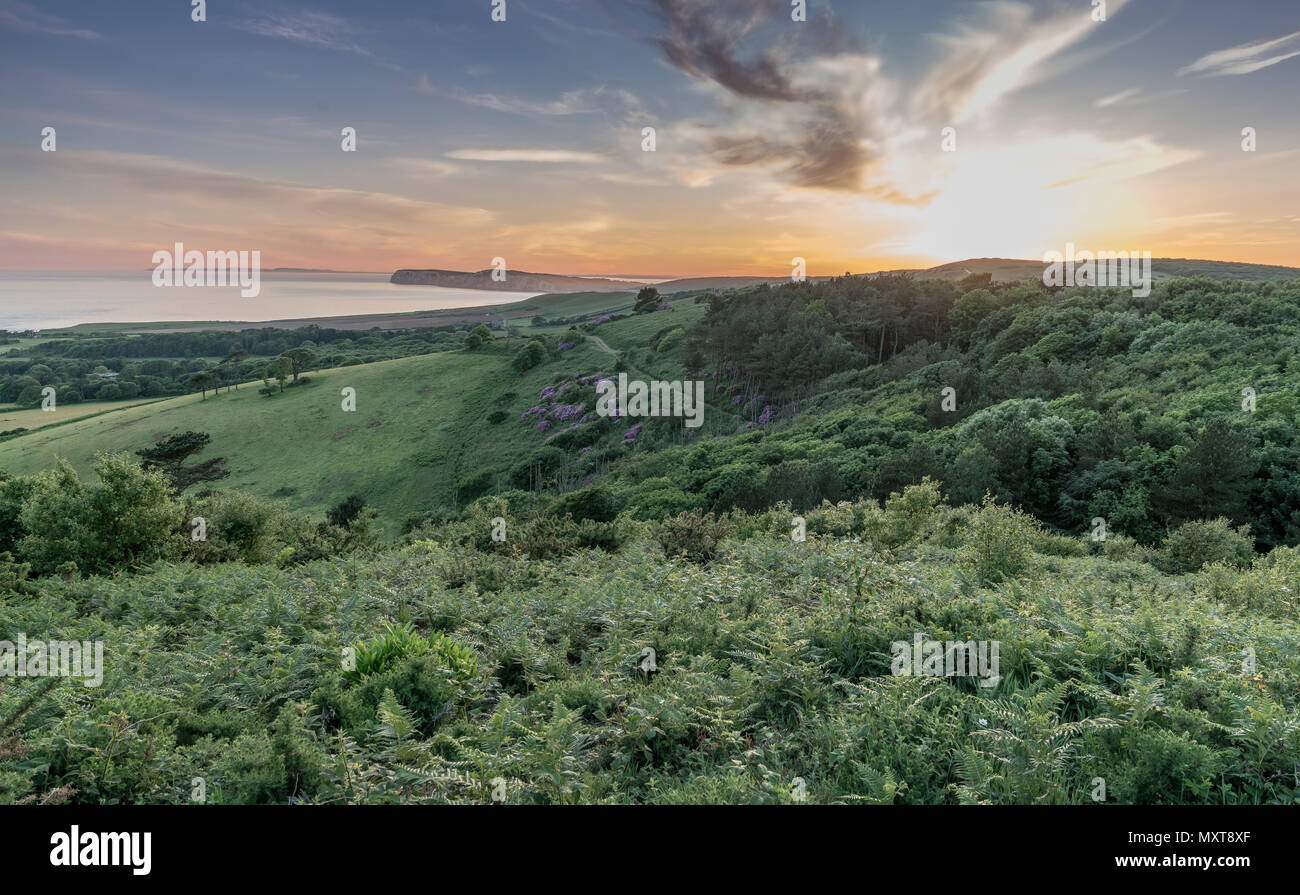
(49,300)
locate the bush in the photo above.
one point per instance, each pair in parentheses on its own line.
(128,519)
(529,356)
(997,543)
(238,527)
(672,339)
(345,511)
(908,514)
(1195,544)
(597,504)
(549,536)
(693,535)
(476,486)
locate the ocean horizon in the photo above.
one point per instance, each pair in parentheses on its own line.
(55,299)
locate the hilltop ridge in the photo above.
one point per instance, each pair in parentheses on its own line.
(1001,269)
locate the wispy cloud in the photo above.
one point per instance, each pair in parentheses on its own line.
(318,29)
(1118,98)
(545,156)
(24,17)
(163,175)
(1245,58)
(1135,97)
(583,101)
(424,167)
(1005,51)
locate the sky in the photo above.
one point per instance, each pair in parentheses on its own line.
(522,139)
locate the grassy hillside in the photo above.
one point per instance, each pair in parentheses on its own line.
(421,426)
(419,422)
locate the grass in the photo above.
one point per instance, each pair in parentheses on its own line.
(635,332)
(35,418)
(420,428)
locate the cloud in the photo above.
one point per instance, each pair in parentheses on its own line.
(809,108)
(134,200)
(1245,58)
(821,112)
(545,156)
(318,29)
(582,101)
(1003,53)
(167,177)
(1118,98)
(1135,97)
(24,17)
(423,167)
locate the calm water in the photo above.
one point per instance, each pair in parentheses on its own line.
(48,300)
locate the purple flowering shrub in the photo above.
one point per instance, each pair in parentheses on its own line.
(560,412)
(631,435)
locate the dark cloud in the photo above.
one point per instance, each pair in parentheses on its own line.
(818,135)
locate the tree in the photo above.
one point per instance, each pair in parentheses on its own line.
(478,336)
(281,368)
(1018,450)
(204,380)
(129,518)
(299,359)
(1212,475)
(231,363)
(170,454)
(532,354)
(646,300)
(342,513)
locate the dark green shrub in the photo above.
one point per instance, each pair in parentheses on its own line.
(693,535)
(598,504)
(1195,544)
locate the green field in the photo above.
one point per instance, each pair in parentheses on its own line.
(28,418)
(634,332)
(419,428)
